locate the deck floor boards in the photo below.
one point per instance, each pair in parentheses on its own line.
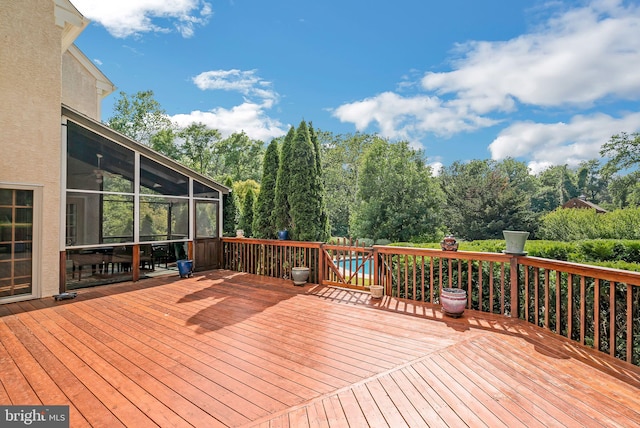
(230,349)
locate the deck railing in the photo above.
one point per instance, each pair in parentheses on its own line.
(594,306)
(273,258)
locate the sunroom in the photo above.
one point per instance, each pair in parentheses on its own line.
(130,212)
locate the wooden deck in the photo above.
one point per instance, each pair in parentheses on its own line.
(231,349)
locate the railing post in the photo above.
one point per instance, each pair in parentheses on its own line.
(513,281)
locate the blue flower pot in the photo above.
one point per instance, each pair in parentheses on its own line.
(283,235)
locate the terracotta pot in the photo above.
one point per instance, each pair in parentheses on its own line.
(453,301)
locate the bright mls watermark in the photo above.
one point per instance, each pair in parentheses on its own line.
(34,416)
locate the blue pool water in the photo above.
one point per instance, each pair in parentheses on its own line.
(353,263)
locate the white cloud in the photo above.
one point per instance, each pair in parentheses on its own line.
(123,18)
(561,143)
(248,117)
(410,117)
(579,61)
(436,168)
(578,58)
(245,82)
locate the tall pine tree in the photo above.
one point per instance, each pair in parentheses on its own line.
(264,225)
(324,232)
(229,210)
(246,219)
(305,196)
(282,217)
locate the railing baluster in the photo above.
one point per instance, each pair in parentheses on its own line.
(570,306)
(596,314)
(526,294)
(612,318)
(422,279)
(583,311)
(558,302)
(469,283)
(547,309)
(629,323)
(431,283)
(490,287)
(536,296)
(502,288)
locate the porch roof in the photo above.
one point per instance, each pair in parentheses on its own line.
(119,138)
(231,349)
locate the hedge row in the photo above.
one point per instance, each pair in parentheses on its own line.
(614,253)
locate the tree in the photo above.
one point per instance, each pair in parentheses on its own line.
(264,226)
(623,151)
(483,199)
(139,117)
(308,222)
(164,141)
(197,147)
(323,226)
(556,185)
(246,217)
(399,198)
(590,181)
(242,188)
(282,216)
(238,156)
(341,168)
(625,190)
(229,210)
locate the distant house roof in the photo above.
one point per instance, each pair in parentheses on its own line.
(581,202)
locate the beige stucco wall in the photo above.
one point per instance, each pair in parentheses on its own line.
(30,90)
(79,86)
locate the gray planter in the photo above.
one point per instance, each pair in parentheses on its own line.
(299,275)
(515,240)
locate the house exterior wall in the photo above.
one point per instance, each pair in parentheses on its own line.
(79,87)
(30,87)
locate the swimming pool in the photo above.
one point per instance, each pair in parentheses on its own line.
(353,263)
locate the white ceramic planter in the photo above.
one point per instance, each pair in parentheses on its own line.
(377,291)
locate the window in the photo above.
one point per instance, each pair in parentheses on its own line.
(16,242)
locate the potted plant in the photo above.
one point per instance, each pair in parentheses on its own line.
(515,240)
(449,243)
(453,301)
(299,275)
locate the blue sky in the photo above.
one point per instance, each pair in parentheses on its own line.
(545,82)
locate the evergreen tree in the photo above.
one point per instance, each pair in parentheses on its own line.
(282,218)
(246,218)
(229,211)
(324,226)
(305,198)
(264,225)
